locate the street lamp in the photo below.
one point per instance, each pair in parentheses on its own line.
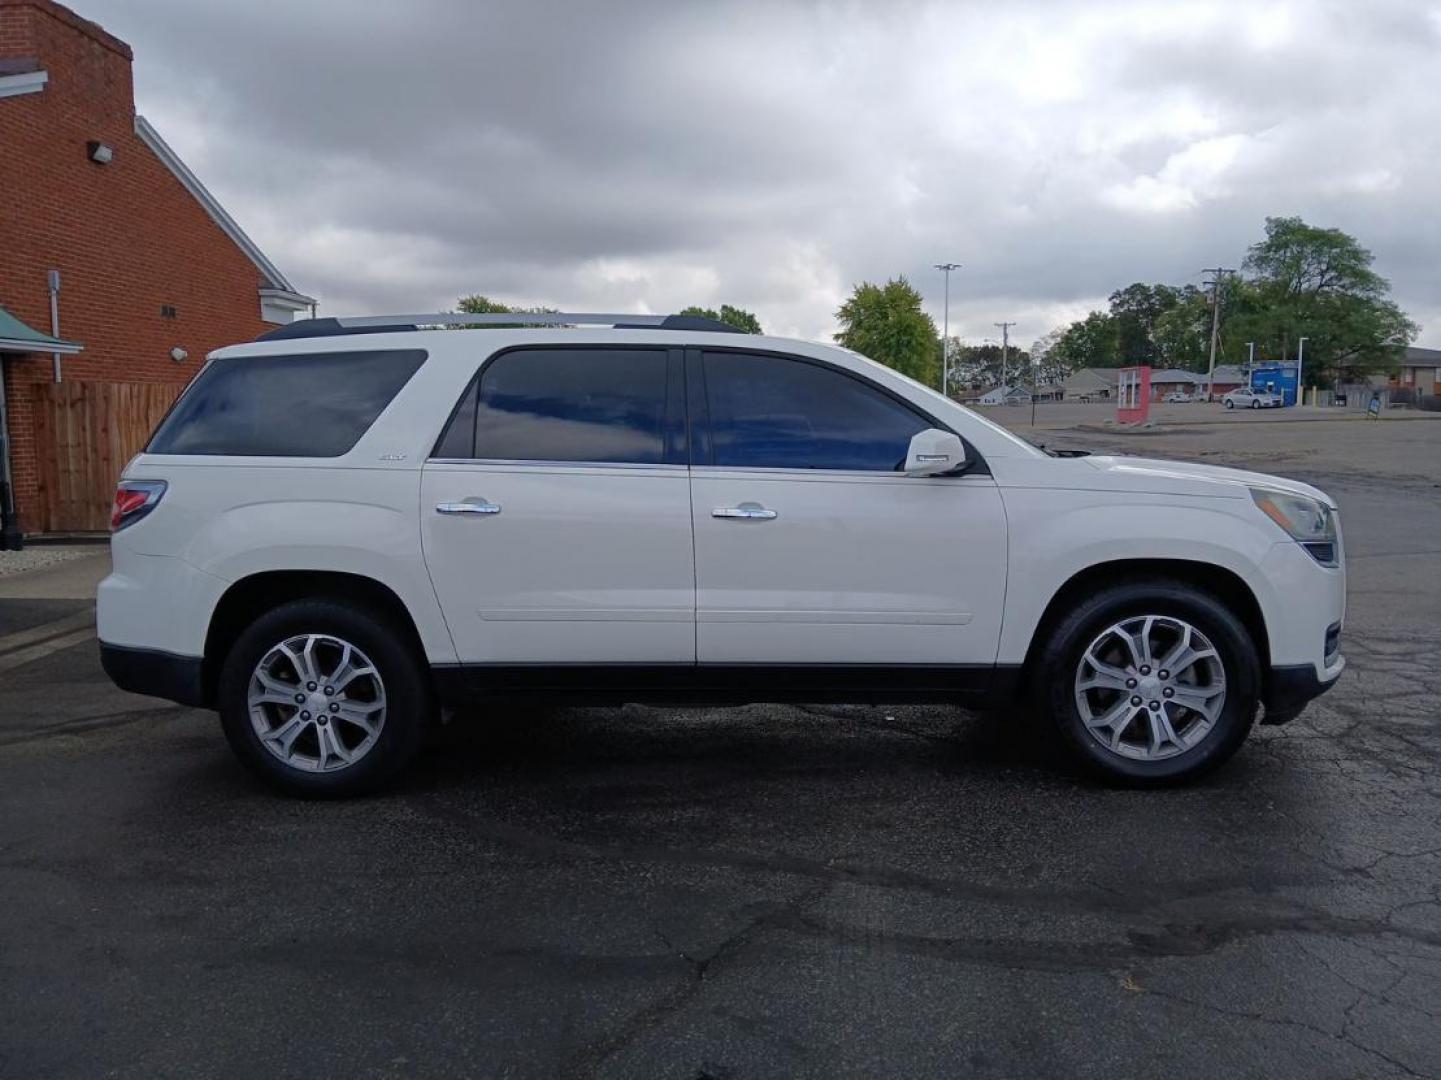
(1300,359)
(946,268)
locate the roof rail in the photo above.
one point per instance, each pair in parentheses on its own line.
(384,324)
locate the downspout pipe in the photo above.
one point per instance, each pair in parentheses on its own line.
(53,279)
(11,539)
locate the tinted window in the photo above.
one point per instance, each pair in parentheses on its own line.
(458,439)
(311,405)
(770,412)
(601,405)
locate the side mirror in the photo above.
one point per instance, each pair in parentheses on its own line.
(935,453)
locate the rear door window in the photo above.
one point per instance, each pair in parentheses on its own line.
(305,405)
(592,405)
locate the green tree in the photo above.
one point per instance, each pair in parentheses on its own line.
(976,367)
(480,305)
(1303,280)
(888,324)
(1134,312)
(740,318)
(1181,334)
(484,305)
(1049,364)
(1089,342)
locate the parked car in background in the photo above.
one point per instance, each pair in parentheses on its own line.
(1178,397)
(1246,397)
(674,511)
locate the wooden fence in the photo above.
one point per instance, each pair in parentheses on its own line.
(85,433)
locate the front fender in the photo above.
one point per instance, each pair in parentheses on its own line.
(1056,534)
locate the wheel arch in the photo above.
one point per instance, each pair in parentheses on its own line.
(1224,585)
(250,597)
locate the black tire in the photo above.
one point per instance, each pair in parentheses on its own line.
(408,696)
(1255,404)
(1230,404)
(1072,635)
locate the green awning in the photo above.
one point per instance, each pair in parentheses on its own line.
(15,336)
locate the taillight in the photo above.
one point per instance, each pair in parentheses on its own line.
(133,500)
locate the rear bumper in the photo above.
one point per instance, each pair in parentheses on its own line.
(1290,687)
(156,673)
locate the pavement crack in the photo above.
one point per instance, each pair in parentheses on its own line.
(1279,1021)
(702,968)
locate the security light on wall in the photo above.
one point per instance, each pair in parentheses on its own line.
(99,152)
(178,354)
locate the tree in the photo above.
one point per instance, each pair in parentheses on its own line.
(1318,283)
(740,318)
(887,323)
(976,367)
(1134,312)
(1091,342)
(1300,281)
(480,305)
(1049,364)
(1181,335)
(484,305)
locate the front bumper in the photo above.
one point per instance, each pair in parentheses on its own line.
(156,673)
(1290,687)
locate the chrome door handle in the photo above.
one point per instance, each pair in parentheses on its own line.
(744,512)
(467,506)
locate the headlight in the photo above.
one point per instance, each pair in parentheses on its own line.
(1309,521)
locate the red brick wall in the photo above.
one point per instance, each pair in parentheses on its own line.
(126,237)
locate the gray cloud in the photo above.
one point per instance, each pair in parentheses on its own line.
(646,155)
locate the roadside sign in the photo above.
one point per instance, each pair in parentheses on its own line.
(1133,395)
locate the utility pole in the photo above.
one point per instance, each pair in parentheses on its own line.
(1218,275)
(946,268)
(1005,346)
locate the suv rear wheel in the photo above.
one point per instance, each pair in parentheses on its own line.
(319,698)
(1151,682)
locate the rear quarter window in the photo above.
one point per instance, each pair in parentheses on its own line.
(305,405)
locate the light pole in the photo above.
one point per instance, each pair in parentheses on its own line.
(1300,359)
(946,268)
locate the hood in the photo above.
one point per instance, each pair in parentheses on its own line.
(1154,475)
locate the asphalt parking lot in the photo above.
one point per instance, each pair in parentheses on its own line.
(754,892)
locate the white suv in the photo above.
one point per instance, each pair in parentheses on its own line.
(350,525)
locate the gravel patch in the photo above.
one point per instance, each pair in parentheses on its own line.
(38,558)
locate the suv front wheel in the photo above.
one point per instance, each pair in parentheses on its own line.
(1151,682)
(319,698)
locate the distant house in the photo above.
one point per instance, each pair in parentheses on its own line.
(1170,380)
(1049,392)
(1420,371)
(1004,395)
(1091,384)
(1227,377)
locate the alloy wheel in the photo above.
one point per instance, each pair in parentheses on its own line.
(316,702)
(1150,687)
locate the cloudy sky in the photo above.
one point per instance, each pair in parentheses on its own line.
(391,155)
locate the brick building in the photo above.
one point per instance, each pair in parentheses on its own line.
(152,272)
